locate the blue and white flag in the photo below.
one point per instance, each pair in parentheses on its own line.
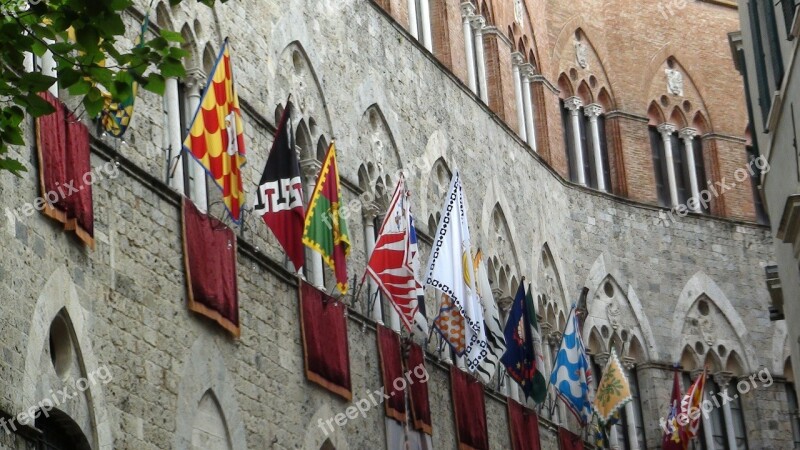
(572,372)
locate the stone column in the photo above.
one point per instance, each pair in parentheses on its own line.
(412,19)
(688,135)
(723,379)
(666,131)
(394,319)
(478,22)
(195,81)
(527,72)
(311,168)
(574,105)
(171,97)
(28,62)
(516,62)
(370,211)
(554,341)
(593,111)
(426,24)
(467,11)
(630,411)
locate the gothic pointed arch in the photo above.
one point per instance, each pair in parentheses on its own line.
(437,184)
(304,141)
(612,312)
(190,46)
(59,318)
(550,287)
(495,223)
(689,360)
(607,287)
(206,387)
(164,16)
(60,431)
(296,75)
(317,438)
(705,319)
(581,59)
(209,429)
(209,59)
(377,148)
(419,172)
(672,87)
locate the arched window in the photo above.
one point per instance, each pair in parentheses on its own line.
(719,437)
(574,124)
(679,167)
(739,429)
(209,431)
(585,141)
(60,432)
(633,379)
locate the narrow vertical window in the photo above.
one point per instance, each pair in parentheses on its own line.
(660,166)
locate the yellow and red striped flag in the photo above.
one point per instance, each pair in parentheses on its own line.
(216,138)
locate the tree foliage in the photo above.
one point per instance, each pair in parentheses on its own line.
(84,38)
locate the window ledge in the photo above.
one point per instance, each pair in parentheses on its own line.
(774,112)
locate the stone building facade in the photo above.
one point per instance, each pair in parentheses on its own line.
(583,132)
(766,52)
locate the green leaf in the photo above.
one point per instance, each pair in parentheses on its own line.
(81,87)
(12,165)
(35,105)
(172,67)
(39,49)
(12,135)
(155,83)
(94,102)
(172,36)
(35,82)
(67,77)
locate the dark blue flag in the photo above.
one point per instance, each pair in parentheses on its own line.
(520,355)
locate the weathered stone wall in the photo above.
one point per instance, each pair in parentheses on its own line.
(359,78)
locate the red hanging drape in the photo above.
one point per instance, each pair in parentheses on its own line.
(65,170)
(568,440)
(210,260)
(469,409)
(325,346)
(523,425)
(420,404)
(79,169)
(390,355)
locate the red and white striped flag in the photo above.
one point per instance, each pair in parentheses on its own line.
(691,405)
(393,262)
